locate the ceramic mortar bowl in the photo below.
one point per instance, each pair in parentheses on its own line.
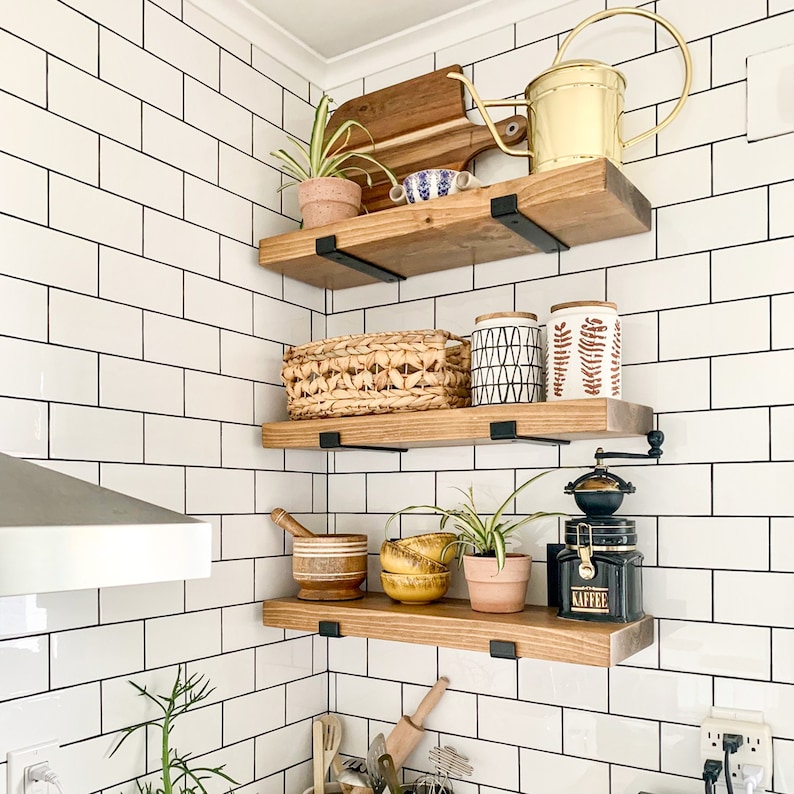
(428,184)
(415,588)
(330,567)
(432,545)
(398,559)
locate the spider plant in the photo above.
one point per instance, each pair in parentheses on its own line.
(178,770)
(486,535)
(325,158)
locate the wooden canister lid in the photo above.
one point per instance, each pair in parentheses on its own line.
(575,304)
(506,315)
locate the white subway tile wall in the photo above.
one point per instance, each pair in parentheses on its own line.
(142,345)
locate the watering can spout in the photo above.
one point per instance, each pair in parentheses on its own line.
(489,123)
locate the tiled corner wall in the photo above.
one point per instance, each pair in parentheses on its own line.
(707,299)
(140,347)
(141,344)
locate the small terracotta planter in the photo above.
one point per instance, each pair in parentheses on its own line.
(502,591)
(328,199)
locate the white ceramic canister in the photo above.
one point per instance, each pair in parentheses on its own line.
(506,359)
(583,351)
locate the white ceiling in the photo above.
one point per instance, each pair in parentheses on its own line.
(335,27)
(333,42)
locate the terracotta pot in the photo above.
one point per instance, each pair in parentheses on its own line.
(328,199)
(502,591)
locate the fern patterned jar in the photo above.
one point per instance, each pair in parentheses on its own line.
(506,359)
(583,351)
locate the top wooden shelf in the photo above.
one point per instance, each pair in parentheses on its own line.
(579,204)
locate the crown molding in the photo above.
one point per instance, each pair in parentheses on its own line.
(476,19)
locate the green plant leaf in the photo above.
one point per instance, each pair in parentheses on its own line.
(429,508)
(291,165)
(335,163)
(318,133)
(500,549)
(516,492)
(345,128)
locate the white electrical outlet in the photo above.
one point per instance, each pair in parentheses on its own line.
(756,748)
(20,760)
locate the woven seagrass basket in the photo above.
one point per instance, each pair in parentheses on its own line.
(377,374)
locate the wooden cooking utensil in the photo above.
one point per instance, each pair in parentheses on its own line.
(332,736)
(317,757)
(281,518)
(407,733)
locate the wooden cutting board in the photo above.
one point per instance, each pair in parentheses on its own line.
(420,123)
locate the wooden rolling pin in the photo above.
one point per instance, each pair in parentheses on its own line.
(407,733)
(281,518)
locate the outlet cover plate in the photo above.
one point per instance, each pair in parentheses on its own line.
(20,760)
(770,93)
(756,749)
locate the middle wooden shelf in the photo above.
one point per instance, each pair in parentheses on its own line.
(564,420)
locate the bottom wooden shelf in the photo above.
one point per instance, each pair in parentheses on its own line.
(451,623)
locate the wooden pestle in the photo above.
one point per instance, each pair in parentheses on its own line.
(281,518)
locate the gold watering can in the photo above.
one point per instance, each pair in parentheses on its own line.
(575,107)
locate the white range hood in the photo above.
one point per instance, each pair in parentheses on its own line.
(61,533)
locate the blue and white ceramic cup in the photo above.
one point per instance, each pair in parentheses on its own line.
(429,184)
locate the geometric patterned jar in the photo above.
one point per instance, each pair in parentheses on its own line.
(583,351)
(506,359)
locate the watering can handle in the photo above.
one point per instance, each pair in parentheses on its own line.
(492,103)
(640,12)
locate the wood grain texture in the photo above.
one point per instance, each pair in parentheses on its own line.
(563,419)
(399,109)
(579,204)
(451,623)
(419,123)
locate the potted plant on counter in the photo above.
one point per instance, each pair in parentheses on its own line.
(497,579)
(180,773)
(325,191)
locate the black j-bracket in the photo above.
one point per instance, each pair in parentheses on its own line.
(326,247)
(332,440)
(505,210)
(506,431)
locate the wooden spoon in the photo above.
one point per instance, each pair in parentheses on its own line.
(317,757)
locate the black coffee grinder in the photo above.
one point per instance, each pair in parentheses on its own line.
(600,569)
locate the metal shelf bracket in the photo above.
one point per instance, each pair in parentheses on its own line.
(326,248)
(332,440)
(505,210)
(506,431)
(329,628)
(503,650)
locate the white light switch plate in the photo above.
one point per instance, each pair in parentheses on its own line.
(770,93)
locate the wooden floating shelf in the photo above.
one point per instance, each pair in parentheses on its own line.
(564,420)
(537,632)
(579,204)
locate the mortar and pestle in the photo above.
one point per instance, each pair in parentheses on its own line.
(327,567)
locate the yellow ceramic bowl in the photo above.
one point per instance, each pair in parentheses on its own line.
(431,545)
(398,559)
(417,588)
